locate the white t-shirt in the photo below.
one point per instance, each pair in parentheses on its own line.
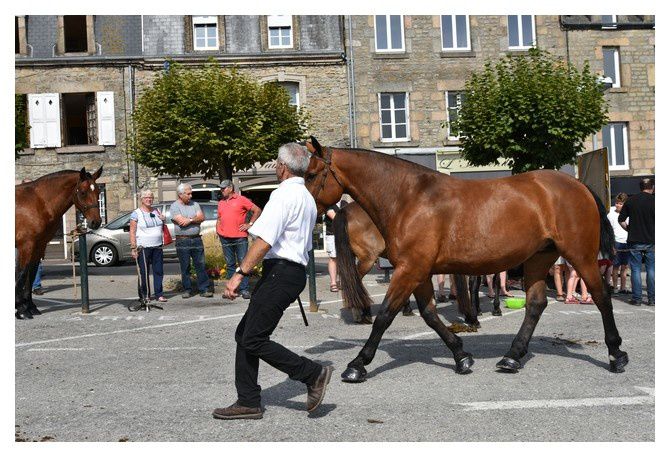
(149,228)
(287,222)
(620,235)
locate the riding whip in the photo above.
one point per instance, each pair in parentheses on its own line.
(302,311)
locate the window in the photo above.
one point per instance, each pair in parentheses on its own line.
(205,33)
(83,118)
(521,32)
(389,34)
(280,33)
(615,139)
(454,102)
(608,22)
(76,39)
(611,65)
(394,116)
(102,202)
(293,89)
(17,46)
(455,33)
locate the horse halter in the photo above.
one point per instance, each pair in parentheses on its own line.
(78,203)
(328,162)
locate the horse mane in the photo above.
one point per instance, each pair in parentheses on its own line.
(383,158)
(51,176)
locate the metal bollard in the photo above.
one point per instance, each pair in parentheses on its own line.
(83,269)
(311,274)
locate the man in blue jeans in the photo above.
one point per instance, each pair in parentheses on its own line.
(231,226)
(641,214)
(187,217)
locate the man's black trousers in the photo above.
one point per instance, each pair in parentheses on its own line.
(280,285)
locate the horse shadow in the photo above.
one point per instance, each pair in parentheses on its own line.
(494,346)
(69,304)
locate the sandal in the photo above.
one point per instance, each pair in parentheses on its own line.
(588,301)
(571,301)
(333,288)
(162,299)
(560,297)
(491,296)
(507,294)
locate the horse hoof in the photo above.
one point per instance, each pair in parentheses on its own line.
(508,364)
(464,365)
(34,311)
(366,320)
(617,365)
(496,312)
(23,315)
(408,313)
(353,374)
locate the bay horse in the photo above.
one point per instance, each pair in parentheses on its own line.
(521,219)
(356,237)
(40,205)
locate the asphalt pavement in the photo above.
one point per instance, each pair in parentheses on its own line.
(114,375)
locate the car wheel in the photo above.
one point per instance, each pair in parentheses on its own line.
(104,255)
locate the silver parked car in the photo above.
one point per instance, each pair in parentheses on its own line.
(110,244)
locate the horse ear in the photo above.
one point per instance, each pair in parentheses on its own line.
(82,174)
(315,146)
(97,174)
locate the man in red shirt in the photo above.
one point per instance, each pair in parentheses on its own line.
(232,228)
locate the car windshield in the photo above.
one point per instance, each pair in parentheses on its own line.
(119,222)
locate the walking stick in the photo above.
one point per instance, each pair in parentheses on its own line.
(302,311)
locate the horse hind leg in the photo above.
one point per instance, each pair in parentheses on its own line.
(31,279)
(21,289)
(535,270)
(426,304)
(496,298)
(601,296)
(398,292)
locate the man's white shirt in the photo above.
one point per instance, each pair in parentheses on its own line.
(287,222)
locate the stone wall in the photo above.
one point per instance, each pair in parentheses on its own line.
(634,101)
(163,35)
(426,72)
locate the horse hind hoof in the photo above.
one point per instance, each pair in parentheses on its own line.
(366,320)
(34,311)
(23,315)
(496,312)
(508,364)
(617,365)
(464,366)
(354,375)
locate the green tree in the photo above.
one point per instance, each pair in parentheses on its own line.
(20,124)
(533,111)
(211,121)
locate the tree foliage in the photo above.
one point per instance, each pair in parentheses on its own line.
(533,111)
(20,124)
(211,121)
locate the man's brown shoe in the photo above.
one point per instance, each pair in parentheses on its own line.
(236,411)
(317,391)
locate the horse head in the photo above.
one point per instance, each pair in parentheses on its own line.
(86,197)
(320,178)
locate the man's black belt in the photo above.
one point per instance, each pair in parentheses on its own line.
(187,236)
(282,262)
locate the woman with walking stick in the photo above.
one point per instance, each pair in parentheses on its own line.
(146,231)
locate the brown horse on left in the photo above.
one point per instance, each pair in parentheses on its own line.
(40,205)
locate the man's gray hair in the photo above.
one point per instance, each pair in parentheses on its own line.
(146,193)
(296,158)
(181,188)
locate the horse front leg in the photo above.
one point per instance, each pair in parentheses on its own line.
(426,304)
(21,291)
(535,272)
(474,282)
(31,279)
(399,291)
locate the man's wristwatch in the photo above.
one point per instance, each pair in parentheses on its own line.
(239,270)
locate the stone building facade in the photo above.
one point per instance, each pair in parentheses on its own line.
(74,64)
(380,82)
(427,59)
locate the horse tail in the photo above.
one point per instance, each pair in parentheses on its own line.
(606,230)
(354,293)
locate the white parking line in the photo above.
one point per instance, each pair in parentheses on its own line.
(648,399)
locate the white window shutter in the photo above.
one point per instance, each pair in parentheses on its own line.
(106,123)
(44,118)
